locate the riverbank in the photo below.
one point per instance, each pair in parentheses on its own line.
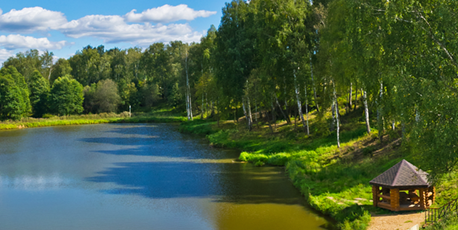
(158,116)
(334,181)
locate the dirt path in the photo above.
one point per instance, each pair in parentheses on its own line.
(393,222)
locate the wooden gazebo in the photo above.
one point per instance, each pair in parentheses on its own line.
(403,187)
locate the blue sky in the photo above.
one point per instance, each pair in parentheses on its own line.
(63,27)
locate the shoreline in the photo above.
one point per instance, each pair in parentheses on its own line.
(67,122)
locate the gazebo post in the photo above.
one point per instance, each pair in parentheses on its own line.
(422,198)
(375,192)
(394,195)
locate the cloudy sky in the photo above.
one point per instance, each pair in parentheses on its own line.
(63,26)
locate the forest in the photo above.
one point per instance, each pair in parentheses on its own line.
(273,60)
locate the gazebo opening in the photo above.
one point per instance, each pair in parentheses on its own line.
(403,187)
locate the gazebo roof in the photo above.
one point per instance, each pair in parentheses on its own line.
(402,175)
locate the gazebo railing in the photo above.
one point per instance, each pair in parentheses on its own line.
(433,215)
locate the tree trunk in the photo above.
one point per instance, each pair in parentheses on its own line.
(417,114)
(268,122)
(274,117)
(337,116)
(249,112)
(281,110)
(190,105)
(313,83)
(235,114)
(256,108)
(202,113)
(213,109)
(356,98)
(299,104)
(284,91)
(393,125)
(333,114)
(307,111)
(246,115)
(350,95)
(217,110)
(188,97)
(379,115)
(366,111)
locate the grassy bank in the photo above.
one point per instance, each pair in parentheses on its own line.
(334,181)
(155,116)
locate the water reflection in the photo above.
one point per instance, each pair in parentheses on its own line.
(222,182)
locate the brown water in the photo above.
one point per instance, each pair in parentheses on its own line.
(123,176)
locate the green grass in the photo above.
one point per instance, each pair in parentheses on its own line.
(155,116)
(450,222)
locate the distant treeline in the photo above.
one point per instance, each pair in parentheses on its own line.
(395,59)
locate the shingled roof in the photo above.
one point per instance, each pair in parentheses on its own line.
(402,175)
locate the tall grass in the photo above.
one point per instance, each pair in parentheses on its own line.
(159,116)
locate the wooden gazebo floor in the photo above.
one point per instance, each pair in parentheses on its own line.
(402,207)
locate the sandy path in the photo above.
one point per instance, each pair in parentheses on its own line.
(393,222)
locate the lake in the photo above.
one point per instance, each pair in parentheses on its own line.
(139,176)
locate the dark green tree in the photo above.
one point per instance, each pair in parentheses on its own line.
(66,96)
(39,92)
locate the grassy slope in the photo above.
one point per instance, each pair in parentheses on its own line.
(334,181)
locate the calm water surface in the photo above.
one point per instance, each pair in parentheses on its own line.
(145,176)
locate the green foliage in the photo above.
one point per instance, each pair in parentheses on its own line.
(12,105)
(450,222)
(66,96)
(39,93)
(106,96)
(14,95)
(176,98)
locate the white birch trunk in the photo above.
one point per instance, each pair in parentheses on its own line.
(337,116)
(313,83)
(188,99)
(299,104)
(417,115)
(249,110)
(190,105)
(246,115)
(379,114)
(333,114)
(356,98)
(366,111)
(307,110)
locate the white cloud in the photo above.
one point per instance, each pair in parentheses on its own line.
(12,42)
(167,13)
(114,29)
(5,54)
(31,19)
